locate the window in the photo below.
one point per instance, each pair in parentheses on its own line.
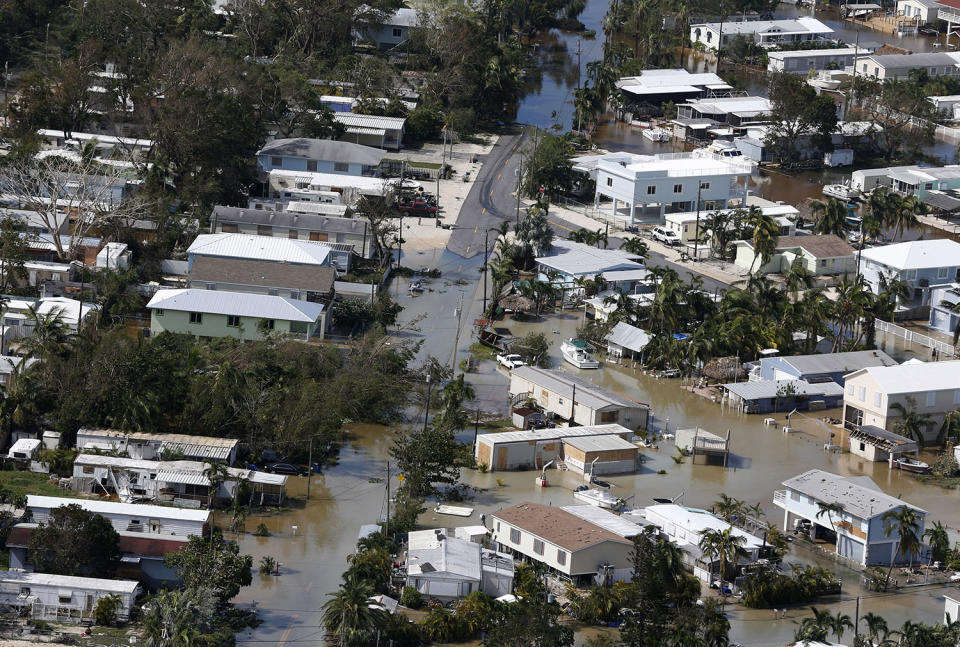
(956,396)
(341,167)
(877,399)
(397,32)
(88,469)
(229,228)
(498,526)
(561,557)
(607,417)
(258,207)
(264,230)
(276,161)
(158,312)
(862,394)
(293,234)
(312,166)
(928,186)
(268,324)
(678,188)
(24,590)
(652,189)
(931,398)
(609,181)
(233,321)
(910,275)
(863,447)
(538,547)
(65,598)
(942,273)
(850,388)
(196,317)
(514,536)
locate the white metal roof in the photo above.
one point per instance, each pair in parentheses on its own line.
(576,259)
(450,555)
(556,433)
(801,25)
(861,497)
(631,337)
(68,582)
(916,254)
(261,248)
(103,139)
(698,521)
(328,150)
(599,443)
(835,362)
(560,382)
(728,105)
(236,303)
(812,53)
(108,508)
(914,378)
(361,183)
(770,388)
(369,121)
(605,519)
(186,478)
(666,79)
(24,445)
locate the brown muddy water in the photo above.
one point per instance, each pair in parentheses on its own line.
(313,556)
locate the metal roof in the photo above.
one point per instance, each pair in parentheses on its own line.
(616,524)
(327,150)
(916,254)
(861,497)
(911,61)
(835,362)
(261,248)
(554,434)
(294,218)
(914,377)
(22,578)
(563,383)
(599,443)
(350,119)
(769,388)
(448,555)
(186,478)
(630,337)
(242,304)
(886,440)
(698,521)
(108,508)
(361,183)
(802,25)
(576,259)
(942,201)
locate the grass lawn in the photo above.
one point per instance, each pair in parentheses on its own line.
(481,352)
(32,483)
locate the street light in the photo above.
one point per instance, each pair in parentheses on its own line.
(696,239)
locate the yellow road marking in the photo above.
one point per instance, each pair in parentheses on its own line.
(491,193)
(309,586)
(460,267)
(476,228)
(560,226)
(483,211)
(506,161)
(499,176)
(286,634)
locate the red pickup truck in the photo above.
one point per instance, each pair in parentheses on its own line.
(417,208)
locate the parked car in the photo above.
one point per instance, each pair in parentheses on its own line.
(666,236)
(417,208)
(287,468)
(510,361)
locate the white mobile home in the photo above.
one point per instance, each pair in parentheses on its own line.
(766,33)
(64,598)
(154,446)
(128,517)
(532,449)
(447,568)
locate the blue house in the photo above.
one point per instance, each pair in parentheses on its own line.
(781,396)
(944,314)
(319,156)
(392,32)
(825,367)
(921,264)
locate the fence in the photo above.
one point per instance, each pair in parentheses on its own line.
(943,349)
(597,213)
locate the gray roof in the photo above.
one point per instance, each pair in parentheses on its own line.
(769,388)
(588,393)
(882,438)
(236,303)
(289,219)
(913,60)
(860,496)
(608,443)
(630,337)
(449,555)
(326,150)
(242,271)
(836,362)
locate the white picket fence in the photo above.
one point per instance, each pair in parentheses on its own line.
(944,350)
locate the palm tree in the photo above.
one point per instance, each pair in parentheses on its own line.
(950,429)
(581,235)
(939,539)
(635,246)
(758,513)
(877,630)
(766,233)
(798,278)
(50,334)
(839,623)
(832,217)
(911,423)
(849,307)
(348,613)
(728,508)
(905,523)
(725,545)
(905,214)
(829,509)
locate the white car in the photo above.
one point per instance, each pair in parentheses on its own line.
(666,236)
(510,361)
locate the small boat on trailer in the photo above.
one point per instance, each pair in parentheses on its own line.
(841,192)
(656,134)
(914,465)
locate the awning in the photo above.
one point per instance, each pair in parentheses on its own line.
(942,201)
(358,130)
(187,478)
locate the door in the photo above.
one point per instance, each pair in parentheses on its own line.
(501,458)
(320,236)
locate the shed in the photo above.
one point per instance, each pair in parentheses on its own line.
(24,449)
(476,534)
(878,444)
(626,340)
(600,454)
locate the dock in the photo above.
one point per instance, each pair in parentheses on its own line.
(701,442)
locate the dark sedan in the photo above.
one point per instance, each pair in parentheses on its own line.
(287,468)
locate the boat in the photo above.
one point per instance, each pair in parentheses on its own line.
(841,192)
(575,352)
(911,465)
(455,510)
(720,148)
(656,134)
(599,498)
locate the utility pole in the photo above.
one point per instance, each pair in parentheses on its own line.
(578,101)
(309,467)
(486,268)
(696,233)
(386,525)
(853,83)
(519,182)
(426,411)
(856,621)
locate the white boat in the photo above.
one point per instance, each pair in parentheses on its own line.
(825,84)
(908,464)
(575,352)
(841,192)
(656,134)
(599,498)
(457,511)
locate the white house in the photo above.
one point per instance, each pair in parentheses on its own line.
(446,568)
(921,264)
(899,66)
(944,313)
(658,86)
(319,156)
(534,448)
(128,517)
(64,598)
(333,188)
(573,398)
(685,222)
(114,256)
(392,32)
(625,340)
(766,33)
(372,130)
(804,60)
(671,183)
(871,393)
(106,145)
(919,181)
(923,11)
(24,449)
(155,446)
(585,551)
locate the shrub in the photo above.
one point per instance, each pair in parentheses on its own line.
(268,565)
(262,530)
(411,598)
(105,613)
(767,587)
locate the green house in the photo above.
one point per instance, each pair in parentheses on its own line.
(216,313)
